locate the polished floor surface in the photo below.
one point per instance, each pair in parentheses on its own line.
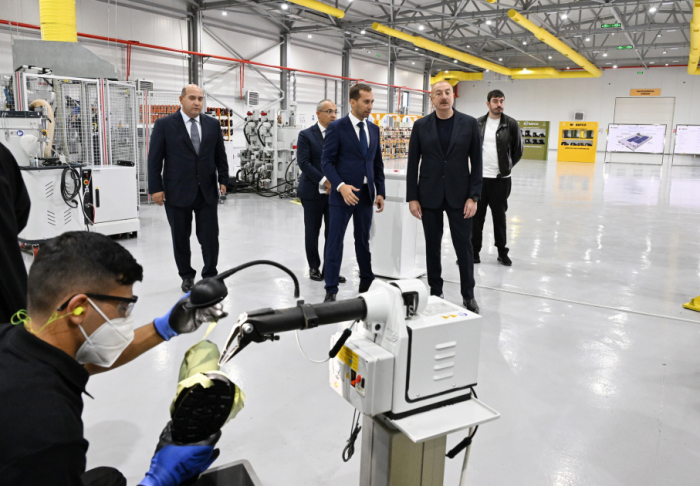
(586,351)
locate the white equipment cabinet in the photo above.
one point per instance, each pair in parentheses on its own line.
(50,215)
(393,235)
(111,199)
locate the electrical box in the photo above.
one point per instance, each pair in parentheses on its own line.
(363,374)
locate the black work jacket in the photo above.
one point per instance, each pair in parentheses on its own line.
(509,142)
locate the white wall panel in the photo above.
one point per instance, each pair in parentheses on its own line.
(556,100)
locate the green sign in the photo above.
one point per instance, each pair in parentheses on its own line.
(535,136)
(625,47)
(610,26)
(640,72)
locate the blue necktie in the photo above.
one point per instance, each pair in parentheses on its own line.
(363,139)
(194,134)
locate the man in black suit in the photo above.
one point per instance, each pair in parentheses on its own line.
(444,143)
(313,187)
(352,162)
(192,147)
(14,213)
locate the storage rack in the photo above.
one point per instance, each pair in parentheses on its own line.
(394,142)
(225,120)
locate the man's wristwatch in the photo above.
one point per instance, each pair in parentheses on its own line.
(474,198)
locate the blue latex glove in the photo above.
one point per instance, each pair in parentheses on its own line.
(173,464)
(162,323)
(181,319)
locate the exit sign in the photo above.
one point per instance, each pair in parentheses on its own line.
(610,26)
(640,72)
(624,47)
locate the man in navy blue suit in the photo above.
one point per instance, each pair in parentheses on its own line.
(195,170)
(352,162)
(314,187)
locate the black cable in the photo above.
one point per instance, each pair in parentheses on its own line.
(245,134)
(462,445)
(68,195)
(355,429)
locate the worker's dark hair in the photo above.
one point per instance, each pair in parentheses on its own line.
(496,93)
(355,90)
(78,261)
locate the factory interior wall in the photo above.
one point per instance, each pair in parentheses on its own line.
(556,100)
(168,71)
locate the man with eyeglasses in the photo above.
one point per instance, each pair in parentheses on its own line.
(314,187)
(78,323)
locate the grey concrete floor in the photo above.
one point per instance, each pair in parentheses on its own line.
(586,351)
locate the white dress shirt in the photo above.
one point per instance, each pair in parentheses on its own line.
(188,124)
(354,120)
(322,184)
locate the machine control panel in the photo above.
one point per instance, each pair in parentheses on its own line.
(362,373)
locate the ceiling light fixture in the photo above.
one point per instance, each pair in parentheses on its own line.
(605,54)
(224,13)
(500,58)
(524,43)
(659,35)
(652,9)
(588,39)
(468,46)
(363,32)
(455,61)
(309,36)
(413,62)
(285,6)
(488,22)
(564,16)
(667,64)
(615,66)
(567,67)
(420,27)
(652,62)
(664,52)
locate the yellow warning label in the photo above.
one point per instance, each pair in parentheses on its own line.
(349,357)
(448,316)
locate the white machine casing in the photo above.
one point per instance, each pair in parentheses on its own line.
(434,354)
(50,215)
(113,192)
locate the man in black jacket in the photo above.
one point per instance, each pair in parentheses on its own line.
(192,147)
(314,187)
(502,149)
(444,143)
(14,213)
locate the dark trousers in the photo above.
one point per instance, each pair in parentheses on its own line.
(103,476)
(494,195)
(461,230)
(207,227)
(361,215)
(316,213)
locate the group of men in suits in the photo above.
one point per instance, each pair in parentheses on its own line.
(343,178)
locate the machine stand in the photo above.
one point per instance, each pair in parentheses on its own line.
(389,458)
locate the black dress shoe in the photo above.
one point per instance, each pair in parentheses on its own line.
(364,288)
(187,284)
(504,260)
(471,305)
(315,275)
(330,298)
(341,279)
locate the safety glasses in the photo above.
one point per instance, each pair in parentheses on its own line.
(124,307)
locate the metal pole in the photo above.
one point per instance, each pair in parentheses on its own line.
(285,48)
(195,45)
(426,87)
(463,475)
(346,72)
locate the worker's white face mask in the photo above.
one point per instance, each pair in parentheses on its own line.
(104,346)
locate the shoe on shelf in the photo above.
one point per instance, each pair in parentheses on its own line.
(329,298)
(187,284)
(477,258)
(341,279)
(206,398)
(504,260)
(471,305)
(315,275)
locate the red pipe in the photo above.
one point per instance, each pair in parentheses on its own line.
(213,56)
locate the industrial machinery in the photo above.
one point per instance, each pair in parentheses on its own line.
(406,361)
(268,163)
(111,199)
(53,185)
